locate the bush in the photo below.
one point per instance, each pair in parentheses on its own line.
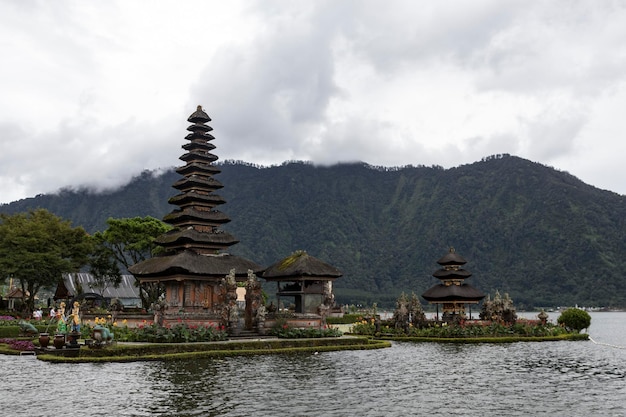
(287,332)
(19,345)
(574,319)
(477,329)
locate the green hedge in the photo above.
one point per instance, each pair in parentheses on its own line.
(14,331)
(502,339)
(156,352)
(346,319)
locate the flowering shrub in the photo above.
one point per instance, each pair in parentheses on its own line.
(466,329)
(178,333)
(20,345)
(364,326)
(150,332)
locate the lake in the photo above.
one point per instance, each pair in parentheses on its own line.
(519,379)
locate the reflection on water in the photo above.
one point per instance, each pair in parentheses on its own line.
(550,378)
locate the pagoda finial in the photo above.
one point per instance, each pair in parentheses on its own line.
(199,116)
(451,249)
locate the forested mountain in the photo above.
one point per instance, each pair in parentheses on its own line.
(539,234)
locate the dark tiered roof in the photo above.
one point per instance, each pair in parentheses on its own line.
(190,263)
(451,258)
(196,246)
(463,293)
(453,288)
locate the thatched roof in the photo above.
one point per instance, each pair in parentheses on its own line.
(189,262)
(198,155)
(193,197)
(452,273)
(451,258)
(16,293)
(199,116)
(463,293)
(189,214)
(194,237)
(209,183)
(207,147)
(299,265)
(197,168)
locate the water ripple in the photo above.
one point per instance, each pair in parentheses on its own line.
(519,379)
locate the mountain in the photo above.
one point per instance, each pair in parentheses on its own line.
(539,234)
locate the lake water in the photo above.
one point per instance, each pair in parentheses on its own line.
(408,379)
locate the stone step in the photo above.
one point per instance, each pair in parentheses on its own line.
(248,334)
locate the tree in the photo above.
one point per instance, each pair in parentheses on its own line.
(126,242)
(37,247)
(104,268)
(575,319)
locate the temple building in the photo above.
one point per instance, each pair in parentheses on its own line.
(194,263)
(305,283)
(453,293)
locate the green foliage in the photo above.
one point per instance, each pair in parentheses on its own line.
(522,328)
(538,234)
(37,247)
(152,333)
(287,332)
(575,319)
(124,243)
(492,339)
(366,326)
(131,240)
(186,351)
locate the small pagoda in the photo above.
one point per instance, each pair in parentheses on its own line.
(194,263)
(306,283)
(453,293)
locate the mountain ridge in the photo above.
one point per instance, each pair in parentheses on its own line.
(540,234)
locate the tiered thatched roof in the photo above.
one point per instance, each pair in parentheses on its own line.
(453,288)
(195,248)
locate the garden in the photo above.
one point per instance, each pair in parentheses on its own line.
(498,323)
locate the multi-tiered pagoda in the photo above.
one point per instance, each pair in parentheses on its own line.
(195,261)
(453,293)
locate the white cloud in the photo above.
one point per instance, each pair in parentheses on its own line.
(96,92)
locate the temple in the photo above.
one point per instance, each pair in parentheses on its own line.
(453,293)
(305,282)
(194,262)
(202,283)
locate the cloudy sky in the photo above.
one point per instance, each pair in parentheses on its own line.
(94,92)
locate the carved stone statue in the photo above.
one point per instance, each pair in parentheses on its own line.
(401,313)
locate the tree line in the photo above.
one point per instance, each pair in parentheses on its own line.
(38,247)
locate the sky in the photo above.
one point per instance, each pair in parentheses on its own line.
(93,93)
